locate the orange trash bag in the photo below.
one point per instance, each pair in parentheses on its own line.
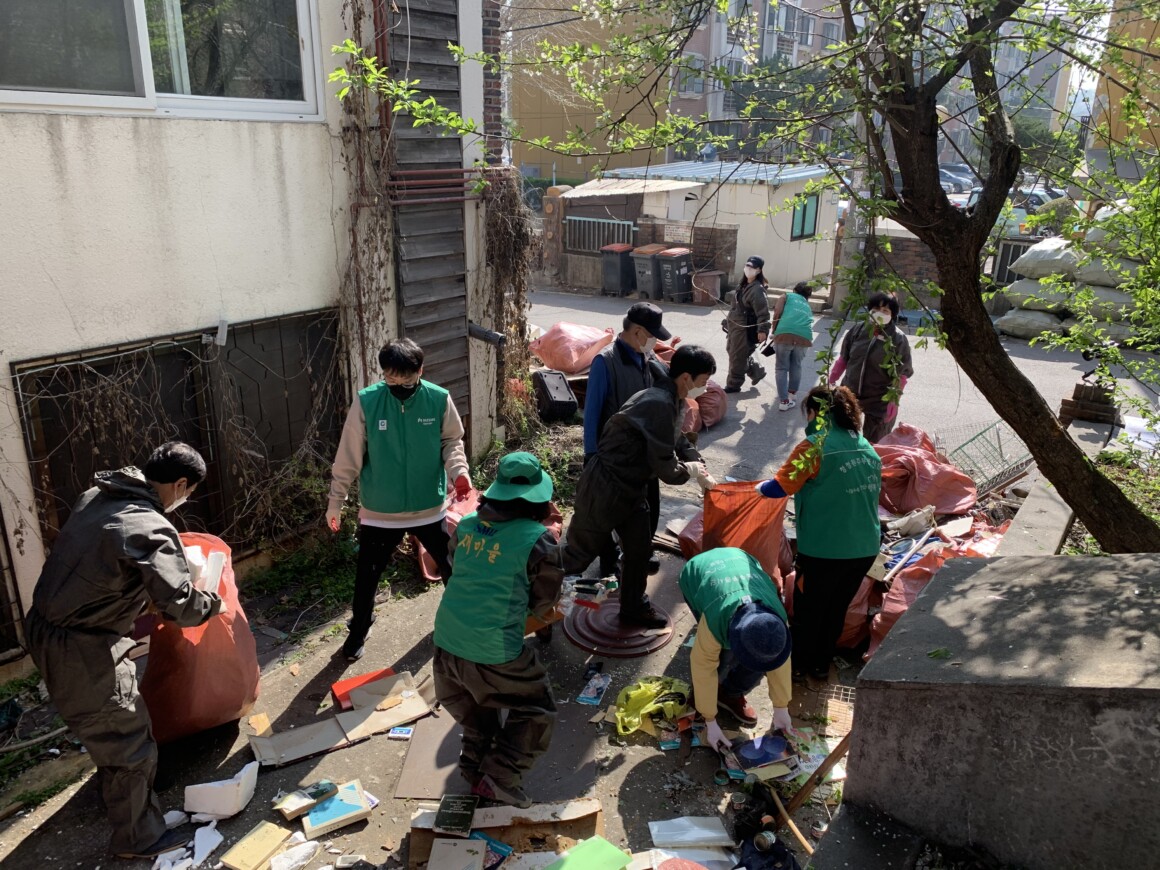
(736,515)
(570,347)
(713,403)
(201,677)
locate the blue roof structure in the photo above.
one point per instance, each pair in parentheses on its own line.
(722,172)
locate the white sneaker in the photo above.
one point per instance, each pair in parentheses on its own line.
(786,404)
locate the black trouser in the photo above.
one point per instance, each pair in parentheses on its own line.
(821,597)
(376,546)
(874,429)
(476,695)
(601,509)
(611,554)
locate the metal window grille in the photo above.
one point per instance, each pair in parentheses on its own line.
(589,235)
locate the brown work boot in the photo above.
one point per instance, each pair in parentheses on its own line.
(646,617)
(738,708)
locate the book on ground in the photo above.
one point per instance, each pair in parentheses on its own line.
(455,814)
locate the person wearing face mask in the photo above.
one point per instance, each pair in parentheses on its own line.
(117,553)
(875,359)
(618,372)
(641,442)
(402,441)
(835,477)
(747,326)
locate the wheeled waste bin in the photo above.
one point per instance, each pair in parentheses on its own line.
(648,276)
(619,276)
(676,268)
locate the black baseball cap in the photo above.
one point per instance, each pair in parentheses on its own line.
(649,316)
(755,262)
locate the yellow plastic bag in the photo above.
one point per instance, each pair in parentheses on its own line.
(666,695)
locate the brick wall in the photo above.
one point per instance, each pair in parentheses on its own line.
(492,85)
(714,247)
(912,260)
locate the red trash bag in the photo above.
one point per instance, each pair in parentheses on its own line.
(570,347)
(914,475)
(856,629)
(713,404)
(201,677)
(691,536)
(907,584)
(664,350)
(692,421)
(736,515)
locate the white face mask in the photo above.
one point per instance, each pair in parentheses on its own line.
(880,317)
(649,344)
(750,273)
(696,391)
(177,504)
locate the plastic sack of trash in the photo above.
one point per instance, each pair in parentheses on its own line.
(736,515)
(664,350)
(713,404)
(456,511)
(691,537)
(665,695)
(1054,256)
(692,420)
(907,584)
(570,347)
(201,677)
(856,628)
(915,475)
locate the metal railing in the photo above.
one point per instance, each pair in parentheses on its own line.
(589,235)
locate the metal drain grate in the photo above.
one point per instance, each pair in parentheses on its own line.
(836,707)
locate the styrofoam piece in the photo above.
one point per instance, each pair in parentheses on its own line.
(195,558)
(168,859)
(296,857)
(175,819)
(689,831)
(204,818)
(214,566)
(225,798)
(205,840)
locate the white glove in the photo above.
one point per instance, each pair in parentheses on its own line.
(702,475)
(781,720)
(332,515)
(716,737)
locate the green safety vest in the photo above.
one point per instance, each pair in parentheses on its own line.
(485,606)
(403,466)
(715,583)
(796,318)
(837,511)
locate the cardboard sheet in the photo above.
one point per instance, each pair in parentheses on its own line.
(566,772)
(287,747)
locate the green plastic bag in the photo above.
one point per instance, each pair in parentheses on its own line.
(666,695)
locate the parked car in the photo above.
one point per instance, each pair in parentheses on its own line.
(1024,202)
(953,183)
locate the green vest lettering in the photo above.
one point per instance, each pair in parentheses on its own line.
(837,511)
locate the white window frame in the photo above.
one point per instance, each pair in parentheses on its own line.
(681,74)
(805,34)
(153,104)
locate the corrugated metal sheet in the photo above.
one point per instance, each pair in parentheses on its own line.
(735,173)
(627,186)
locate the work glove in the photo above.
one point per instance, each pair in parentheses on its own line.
(702,475)
(462,487)
(891,411)
(332,517)
(781,720)
(762,336)
(716,737)
(217,605)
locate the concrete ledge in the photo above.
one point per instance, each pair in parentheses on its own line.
(1033,733)
(1042,524)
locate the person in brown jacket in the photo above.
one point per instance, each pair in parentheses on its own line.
(747,326)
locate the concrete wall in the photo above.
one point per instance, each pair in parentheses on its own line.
(1035,738)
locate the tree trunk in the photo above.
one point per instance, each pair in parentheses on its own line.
(1116,523)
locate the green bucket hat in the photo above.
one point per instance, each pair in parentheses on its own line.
(521,476)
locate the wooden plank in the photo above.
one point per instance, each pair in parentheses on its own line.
(438,290)
(436,152)
(455,352)
(419,220)
(422,315)
(430,334)
(419,50)
(431,76)
(428,25)
(432,245)
(450,7)
(422,270)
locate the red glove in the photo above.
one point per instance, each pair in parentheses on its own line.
(836,372)
(891,411)
(462,487)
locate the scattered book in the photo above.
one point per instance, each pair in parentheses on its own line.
(347,806)
(297,802)
(457,855)
(455,815)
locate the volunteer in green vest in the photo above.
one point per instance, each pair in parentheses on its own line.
(793,333)
(741,637)
(835,477)
(506,565)
(402,441)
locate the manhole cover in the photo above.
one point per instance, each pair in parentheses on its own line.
(600,632)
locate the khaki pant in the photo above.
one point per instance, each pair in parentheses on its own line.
(740,352)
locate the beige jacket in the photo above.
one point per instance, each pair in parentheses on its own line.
(703,662)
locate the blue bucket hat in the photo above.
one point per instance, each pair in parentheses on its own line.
(520,475)
(758,638)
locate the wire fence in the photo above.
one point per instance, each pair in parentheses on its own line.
(992,454)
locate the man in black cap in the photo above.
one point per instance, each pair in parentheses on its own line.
(620,371)
(747,326)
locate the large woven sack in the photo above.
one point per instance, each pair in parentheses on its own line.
(1030,294)
(915,475)
(736,515)
(201,677)
(1054,256)
(1023,323)
(1109,303)
(1109,330)
(713,404)
(570,347)
(1106,271)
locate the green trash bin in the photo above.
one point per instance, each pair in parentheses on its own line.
(676,268)
(619,277)
(648,276)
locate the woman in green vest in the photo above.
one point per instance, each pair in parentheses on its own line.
(793,333)
(835,477)
(505,565)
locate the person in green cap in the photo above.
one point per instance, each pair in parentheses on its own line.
(742,637)
(505,564)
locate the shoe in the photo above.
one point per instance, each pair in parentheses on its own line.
(733,389)
(654,565)
(512,795)
(646,617)
(352,652)
(471,774)
(167,842)
(753,379)
(738,708)
(786,404)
